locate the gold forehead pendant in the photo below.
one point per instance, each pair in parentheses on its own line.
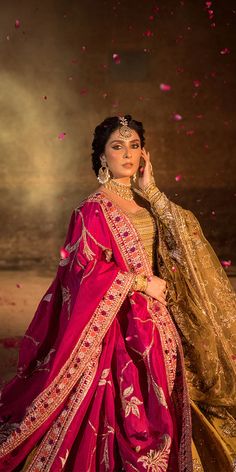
(124,130)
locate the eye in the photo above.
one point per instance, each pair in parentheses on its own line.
(135,146)
(116,146)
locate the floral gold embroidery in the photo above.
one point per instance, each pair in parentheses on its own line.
(157,460)
(130,406)
(104,375)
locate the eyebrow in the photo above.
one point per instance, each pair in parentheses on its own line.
(122,141)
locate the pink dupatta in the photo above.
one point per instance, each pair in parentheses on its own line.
(65,354)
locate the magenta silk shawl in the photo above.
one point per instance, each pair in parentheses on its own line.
(74,347)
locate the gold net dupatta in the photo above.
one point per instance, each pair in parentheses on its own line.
(201,301)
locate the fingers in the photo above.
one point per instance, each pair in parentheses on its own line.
(145,154)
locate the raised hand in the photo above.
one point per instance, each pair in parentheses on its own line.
(145,173)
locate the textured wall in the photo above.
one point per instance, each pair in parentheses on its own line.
(58,75)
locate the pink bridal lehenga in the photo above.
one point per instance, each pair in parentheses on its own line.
(100,384)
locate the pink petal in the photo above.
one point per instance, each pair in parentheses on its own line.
(177,117)
(61,136)
(83,91)
(173,268)
(18,285)
(178,178)
(179,70)
(196,83)
(128,338)
(84,48)
(224,51)
(17,24)
(64,253)
(116,58)
(148,33)
(226,263)
(189,132)
(165,87)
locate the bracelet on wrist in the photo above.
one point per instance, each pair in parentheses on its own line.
(140,283)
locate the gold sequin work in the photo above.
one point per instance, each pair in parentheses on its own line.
(145,225)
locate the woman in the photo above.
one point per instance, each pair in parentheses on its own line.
(101,382)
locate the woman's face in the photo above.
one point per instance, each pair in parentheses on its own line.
(123,155)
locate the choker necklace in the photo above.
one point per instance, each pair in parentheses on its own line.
(123,190)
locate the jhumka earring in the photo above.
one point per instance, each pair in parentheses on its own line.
(103,173)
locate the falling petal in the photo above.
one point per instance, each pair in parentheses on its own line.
(226,263)
(173,268)
(84,48)
(18,285)
(189,132)
(177,117)
(165,87)
(45,97)
(179,39)
(64,253)
(17,24)
(116,58)
(128,338)
(83,91)
(178,178)
(224,51)
(196,83)
(148,33)
(179,70)
(61,136)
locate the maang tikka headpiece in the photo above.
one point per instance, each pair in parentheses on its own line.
(124,129)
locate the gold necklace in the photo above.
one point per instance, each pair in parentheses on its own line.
(124,191)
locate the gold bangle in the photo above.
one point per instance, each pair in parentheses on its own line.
(140,283)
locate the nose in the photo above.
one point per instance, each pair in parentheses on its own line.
(127,153)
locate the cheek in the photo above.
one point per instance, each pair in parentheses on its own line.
(112,161)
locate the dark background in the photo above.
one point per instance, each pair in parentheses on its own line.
(58,75)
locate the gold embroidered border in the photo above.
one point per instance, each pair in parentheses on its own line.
(125,235)
(53,440)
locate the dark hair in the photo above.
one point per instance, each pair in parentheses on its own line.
(103,131)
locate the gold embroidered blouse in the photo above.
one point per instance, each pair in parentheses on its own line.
(145,225)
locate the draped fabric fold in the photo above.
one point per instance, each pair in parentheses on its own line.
(100,381)
(203,305)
